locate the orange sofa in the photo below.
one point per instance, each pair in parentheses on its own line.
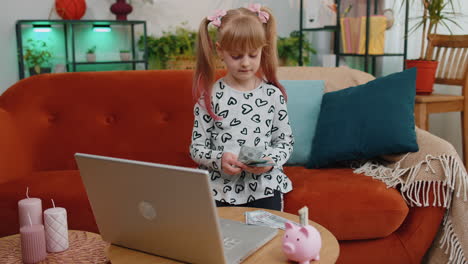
(147,115)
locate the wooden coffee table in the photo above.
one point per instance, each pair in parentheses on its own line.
(270,253)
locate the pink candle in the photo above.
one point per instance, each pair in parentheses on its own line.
(33,244)
(31,206)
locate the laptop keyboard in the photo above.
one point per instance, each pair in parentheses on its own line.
(230,242)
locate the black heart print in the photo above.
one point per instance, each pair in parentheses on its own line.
(209,130)
(250,199)
(219,125)
(207,142)
(257,130)
(244,131)
(282,114)
(268,122)
(256,118)
(197,111)
(281,99)
(272,109)
(221,86)
(225,137)
(232,200)
(208,155)
(274,129)
(259,102)
(235,122)
(215,192)
(215,166)
(268,191)
(279,178)
(195,124)
(242,177)
(268,176)
(281,136)
(216,109)
(207,118)
(227,188)
(214,135)
(224,113)
(241,142)
(253,186)
(239,188)
(196,135)
(257,140)
(270,91)
(232,101)
(246,108)
(219,95)
(255,176)
(221,148)
(285,185)
(222,201)
(226,181)
(215,175)
(248,95)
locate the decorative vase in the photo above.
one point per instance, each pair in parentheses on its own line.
(125,56)
(70,9)
(121,9)
(425,76)
(90,57)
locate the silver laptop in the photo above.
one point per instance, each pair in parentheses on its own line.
(164,210)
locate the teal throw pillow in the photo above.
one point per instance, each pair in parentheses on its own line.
(366,121)
(304,99)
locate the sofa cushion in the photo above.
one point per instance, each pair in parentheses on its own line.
(65,187)
(304,99)
(351,206)
(366,121)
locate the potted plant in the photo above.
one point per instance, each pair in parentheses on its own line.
(125,55)
(173,49)
(435,13)
(288,50)
(37,56)
(90,54)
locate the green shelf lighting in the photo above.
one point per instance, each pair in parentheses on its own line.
(42,28)
(101,28)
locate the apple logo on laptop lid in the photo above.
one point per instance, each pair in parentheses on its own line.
(147,210)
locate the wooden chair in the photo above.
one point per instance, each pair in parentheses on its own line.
(451,51)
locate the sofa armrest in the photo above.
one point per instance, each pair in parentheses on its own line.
(15,161)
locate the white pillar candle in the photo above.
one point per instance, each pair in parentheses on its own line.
(56,227)
(31,206)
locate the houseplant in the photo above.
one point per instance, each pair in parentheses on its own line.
(435,13)
(173,49)
(90,54)
(125,55)
(37,55)
(288,50)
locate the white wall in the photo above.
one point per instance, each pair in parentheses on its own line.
(162,15)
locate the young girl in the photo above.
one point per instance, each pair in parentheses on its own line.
(241,109)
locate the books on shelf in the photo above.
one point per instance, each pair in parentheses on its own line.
(353,34)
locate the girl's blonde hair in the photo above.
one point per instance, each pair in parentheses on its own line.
(241,30)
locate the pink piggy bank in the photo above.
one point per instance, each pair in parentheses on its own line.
(301,243)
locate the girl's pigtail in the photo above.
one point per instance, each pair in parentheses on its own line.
(269,64)
(204,72)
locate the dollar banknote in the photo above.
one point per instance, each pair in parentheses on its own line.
(264,218)
(253,157)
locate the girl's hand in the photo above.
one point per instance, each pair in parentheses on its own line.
(230,165)
(259,170)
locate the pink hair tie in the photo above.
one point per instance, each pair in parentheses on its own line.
(262,15)
(216,17)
